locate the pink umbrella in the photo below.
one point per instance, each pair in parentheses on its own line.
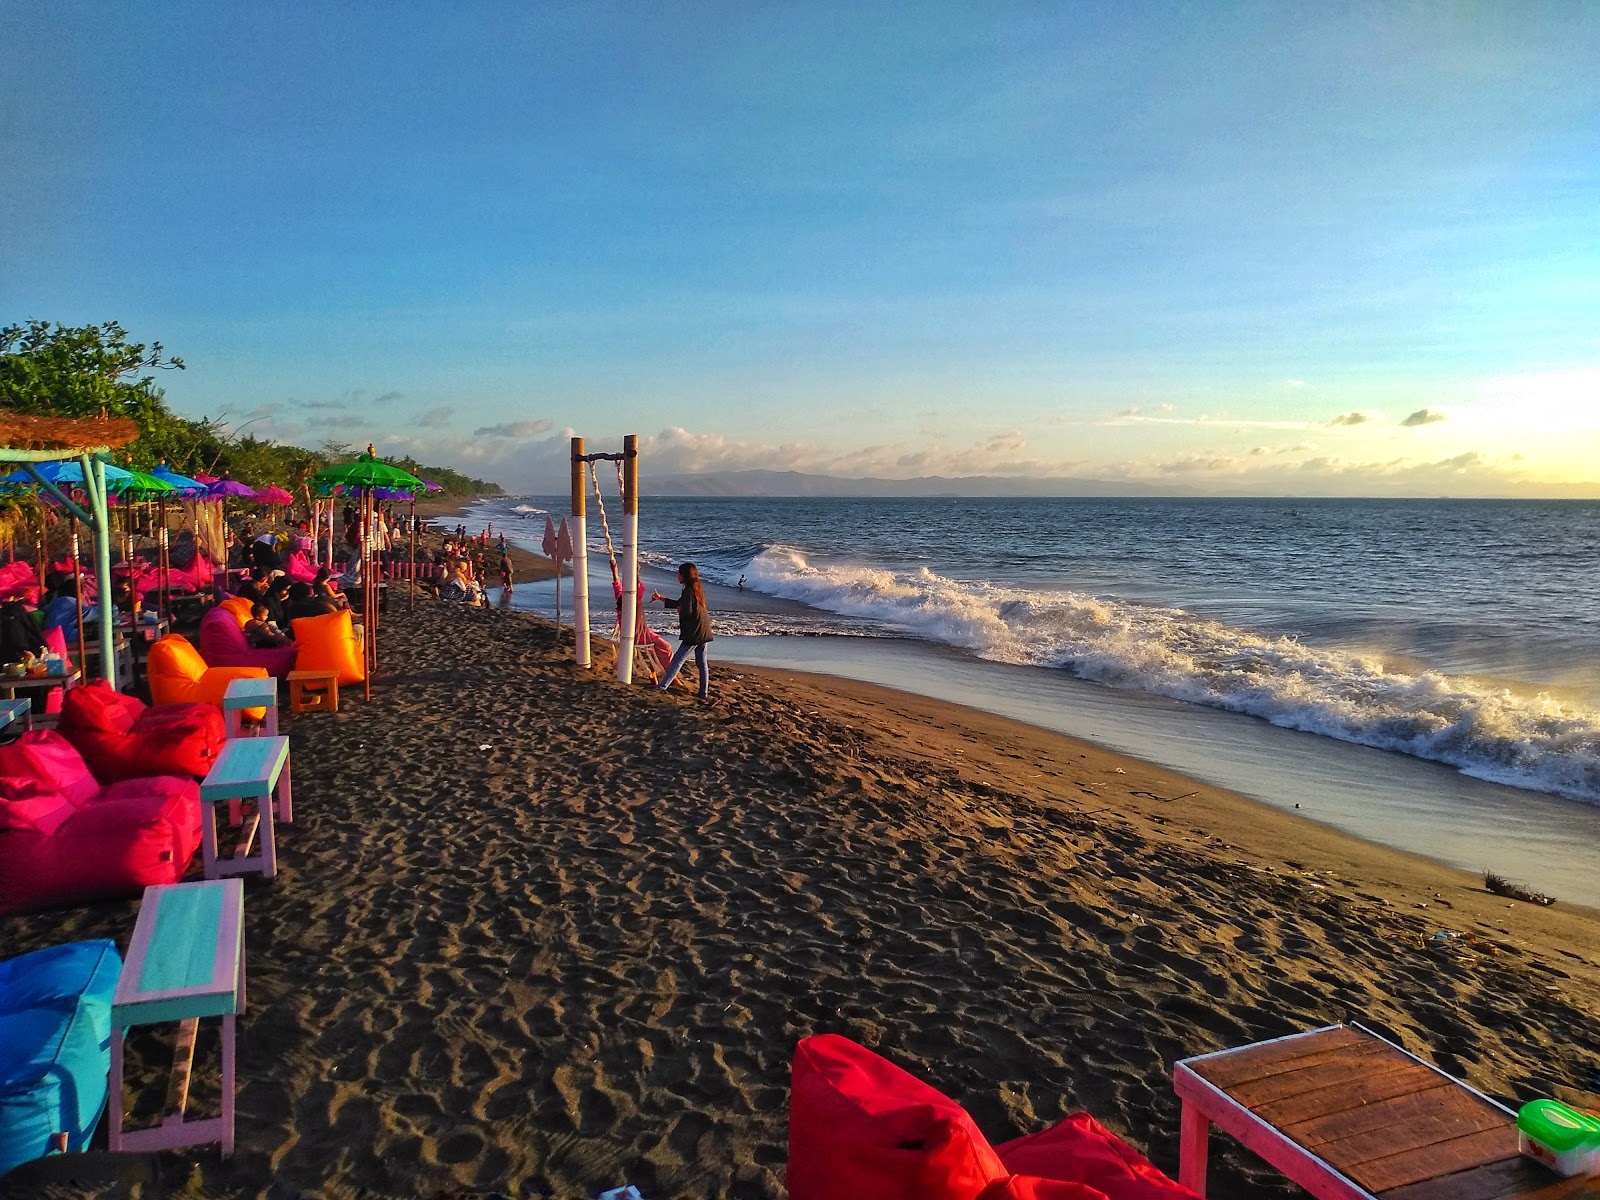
(206,479)
(273,494)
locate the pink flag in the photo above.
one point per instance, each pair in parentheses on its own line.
(549,542)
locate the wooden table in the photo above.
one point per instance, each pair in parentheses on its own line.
(255,768)
(243,694)
(11,684)
(186,961)
(1350,1116)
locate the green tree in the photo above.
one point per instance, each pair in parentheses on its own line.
(91,371)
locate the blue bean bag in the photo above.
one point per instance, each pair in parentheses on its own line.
(55,1046)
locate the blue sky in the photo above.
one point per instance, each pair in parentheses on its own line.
(1247,248)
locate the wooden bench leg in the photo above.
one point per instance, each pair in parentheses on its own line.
(208,840)
(285,798)
(269,838)
(114,1099)
(228,1032)
(1192,1149)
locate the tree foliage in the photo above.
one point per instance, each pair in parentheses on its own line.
(96,371)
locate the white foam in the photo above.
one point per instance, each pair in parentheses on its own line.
(1485,731)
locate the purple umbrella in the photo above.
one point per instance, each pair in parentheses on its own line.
(229,487)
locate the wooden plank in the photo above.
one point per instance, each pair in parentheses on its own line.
(247,835)
(1440,1158)
(1509,1179)
(182,1065)
(1418,1123)
(1435,1114)
(1369,1089)
(1350,1066)
(1269,1058)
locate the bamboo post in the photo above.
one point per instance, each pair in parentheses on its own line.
(411,605)
(369,592)
(77,586)
(580,563)
(629,616)
(95,475)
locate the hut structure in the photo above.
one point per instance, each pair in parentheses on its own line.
(29,441)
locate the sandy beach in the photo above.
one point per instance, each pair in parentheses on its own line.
(539,934)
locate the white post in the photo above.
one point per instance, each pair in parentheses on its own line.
(580,562)
(630,557)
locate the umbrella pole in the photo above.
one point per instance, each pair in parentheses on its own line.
(163,562)
(411,603)
(369,593)
(77,583)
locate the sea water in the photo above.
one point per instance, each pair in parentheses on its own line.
(1463,635)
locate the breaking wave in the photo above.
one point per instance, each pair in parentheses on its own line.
(1483,730)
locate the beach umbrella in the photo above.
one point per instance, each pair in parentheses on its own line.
(273,494)
(138,484)
(208,480)
(367,473)
(182,483)
(70,473)
(230,487)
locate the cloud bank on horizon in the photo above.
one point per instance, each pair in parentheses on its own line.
(1230,249)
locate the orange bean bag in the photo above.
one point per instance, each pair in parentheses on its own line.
(328,643)
(240,607)
(178,675)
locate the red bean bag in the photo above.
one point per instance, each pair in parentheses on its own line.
(66,840)
(860,1126)
(121,737)
(223,644)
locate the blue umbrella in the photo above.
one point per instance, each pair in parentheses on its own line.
(69,472)
(182,482)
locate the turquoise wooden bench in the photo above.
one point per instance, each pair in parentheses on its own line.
(14,710)
(244,694)
(186,962)
(254,768)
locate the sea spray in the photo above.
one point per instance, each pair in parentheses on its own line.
(1484,730)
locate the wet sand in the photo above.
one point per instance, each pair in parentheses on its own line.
(538,933)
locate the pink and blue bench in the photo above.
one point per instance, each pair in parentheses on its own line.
(254,768)
(185,964)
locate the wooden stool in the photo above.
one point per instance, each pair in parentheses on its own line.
(313,691)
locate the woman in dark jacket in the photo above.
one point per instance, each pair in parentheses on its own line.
(694,627)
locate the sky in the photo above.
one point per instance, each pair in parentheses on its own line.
(1241,248)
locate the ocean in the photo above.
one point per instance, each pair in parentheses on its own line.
(1458,637)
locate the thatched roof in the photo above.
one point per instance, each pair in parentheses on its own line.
(18,432)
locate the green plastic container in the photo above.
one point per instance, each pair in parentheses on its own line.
(1562,1138)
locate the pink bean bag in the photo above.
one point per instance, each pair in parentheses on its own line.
(859,1126)
(66,840)
(121,737)
(18,582)
(223,644)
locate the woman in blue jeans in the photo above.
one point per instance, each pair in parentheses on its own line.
(694,628)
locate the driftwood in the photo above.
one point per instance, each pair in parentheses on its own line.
(1515,891)
(19,432)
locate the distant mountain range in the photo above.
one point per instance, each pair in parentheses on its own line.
(796,483)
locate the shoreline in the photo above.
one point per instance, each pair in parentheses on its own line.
(535,931)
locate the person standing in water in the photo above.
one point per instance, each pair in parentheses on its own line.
(694,628)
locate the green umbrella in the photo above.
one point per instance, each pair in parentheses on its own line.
(364,475)
(368,471)
(137,485)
